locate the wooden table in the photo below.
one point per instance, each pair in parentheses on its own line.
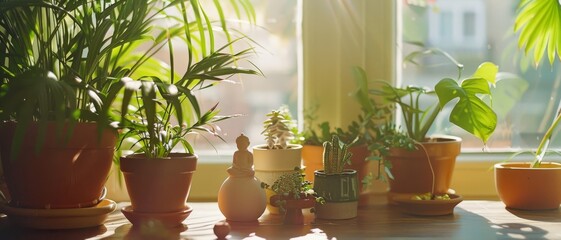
(471,220)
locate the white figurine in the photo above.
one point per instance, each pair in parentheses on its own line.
(241,197)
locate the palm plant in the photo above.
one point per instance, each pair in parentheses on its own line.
(159,110)
(64,61)
(538,23)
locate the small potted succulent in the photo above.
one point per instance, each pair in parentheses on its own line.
(278,156)
(335,184)
(292,194)
(420,163)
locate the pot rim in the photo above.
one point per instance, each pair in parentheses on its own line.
(446,138)
(517,166)
(174,155)
(346,171)
(264,147)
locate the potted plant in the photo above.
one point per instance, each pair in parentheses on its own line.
(291,194)
(336,185)
(419,163)
(164,111)
(59,61)
(277,157)
(534,185)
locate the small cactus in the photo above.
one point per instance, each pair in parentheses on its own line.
(277,133)
(335,155)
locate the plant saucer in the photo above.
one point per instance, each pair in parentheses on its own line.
(62,218)
(428,207)
(169,219)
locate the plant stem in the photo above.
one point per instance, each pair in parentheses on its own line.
(544,144)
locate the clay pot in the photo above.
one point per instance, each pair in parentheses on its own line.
(411,170)
(270,164)
(312,157)
(340,192)
(61,174)
(158,185)
(293,207)
(522,187)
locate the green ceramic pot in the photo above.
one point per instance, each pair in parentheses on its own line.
(340,192)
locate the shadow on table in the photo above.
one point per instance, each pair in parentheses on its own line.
(543,215)
(129,231)
(519,231)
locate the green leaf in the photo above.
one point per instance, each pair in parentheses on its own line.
(487,71)
(538,22)
(474,116)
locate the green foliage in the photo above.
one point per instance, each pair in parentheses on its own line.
(538,22)
(335,156)
(470,112)
(277,129)
(157,112)
(294,185)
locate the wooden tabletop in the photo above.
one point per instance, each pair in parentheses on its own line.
(471,220)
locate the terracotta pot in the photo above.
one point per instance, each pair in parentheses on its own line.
(411,170)
(62,174)
(293,207)
(312,157)
(270,164)
(522,187)
(158,185)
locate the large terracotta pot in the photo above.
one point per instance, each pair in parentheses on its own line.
(61,174)
(312,157)
(158,185)
(340,192)
(412,172)
(270,164)
(522,187)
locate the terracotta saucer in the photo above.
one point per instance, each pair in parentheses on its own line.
(428,207)
(64,218)
(170,219)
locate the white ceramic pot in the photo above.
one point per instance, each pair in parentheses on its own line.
(270,164)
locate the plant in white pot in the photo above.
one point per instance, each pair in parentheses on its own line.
(420,163)
(58,62)
(277,157)
(336,185)
(535,185)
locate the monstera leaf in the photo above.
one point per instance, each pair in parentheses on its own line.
(470,112)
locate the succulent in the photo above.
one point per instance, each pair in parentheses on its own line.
(277,131)
(335,155)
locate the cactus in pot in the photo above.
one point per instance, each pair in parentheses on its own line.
(335,184)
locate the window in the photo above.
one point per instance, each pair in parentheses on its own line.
(474,31)
(255,96)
